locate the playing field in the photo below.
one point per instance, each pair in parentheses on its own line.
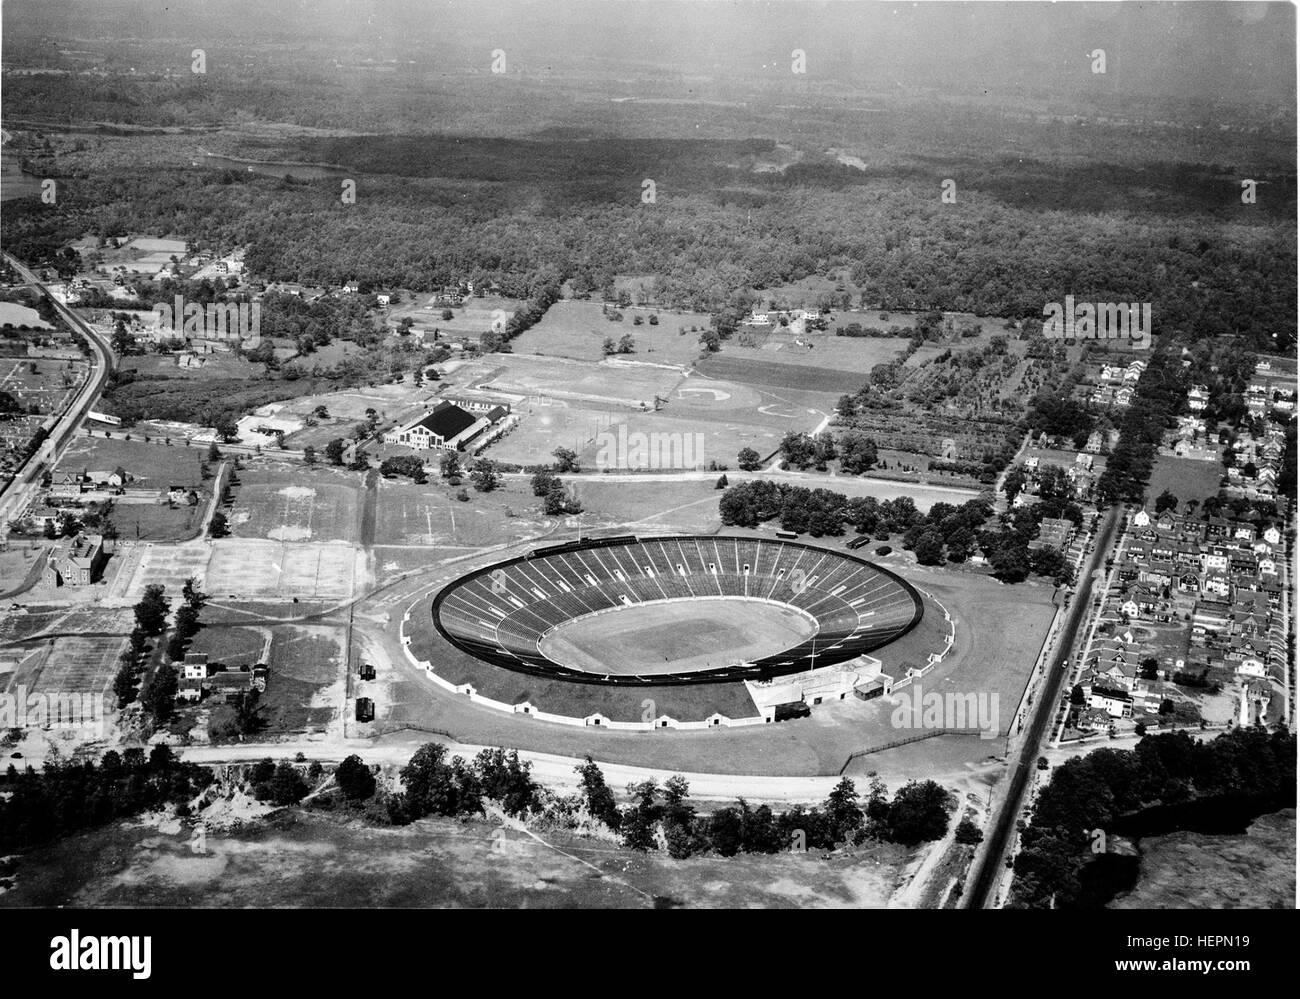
(291,506)
(676,636)
(265,570)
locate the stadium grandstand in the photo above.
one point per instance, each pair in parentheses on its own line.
(501,613)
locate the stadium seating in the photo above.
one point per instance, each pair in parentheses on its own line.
(501,613)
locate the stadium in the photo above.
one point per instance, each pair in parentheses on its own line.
(699,623)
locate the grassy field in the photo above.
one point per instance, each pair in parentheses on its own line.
(820,350)
(305,664)
(753,368)
(286,504)
(407,514)
(578,329)
(233,646)
(153,466)
(616,381)
(1185,478)
(674,637)
(159,521)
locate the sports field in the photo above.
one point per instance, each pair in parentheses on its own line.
(246,570)
(289,505)
(676,636)
(80,665)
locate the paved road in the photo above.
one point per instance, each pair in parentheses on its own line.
(988,863)
(19,492)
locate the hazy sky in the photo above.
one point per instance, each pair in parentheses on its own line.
(1206,51)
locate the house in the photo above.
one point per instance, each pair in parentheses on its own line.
(367,671)
(1198,397)
(189,690)
(116,479)
(1141,518)
(178,494)
(365,709)
(1094,443)
(1115,703)
(1272,535)
(1124,395)
(444,427)
(195,666)
(1217,584)
(383,300)
(1189,582)
(1094,720)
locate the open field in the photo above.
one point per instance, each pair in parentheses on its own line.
(153,466)
(288,505)
(472,319)
(729,416)
(754,369)
(1185,478)
(616,381)
(316,859)
(577,329)
(234,646)
(675,637)
(243,569)
(819,350)
(408,514)
(305,686)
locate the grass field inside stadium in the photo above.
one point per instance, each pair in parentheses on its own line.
(676,636)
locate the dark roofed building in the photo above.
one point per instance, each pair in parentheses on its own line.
(442,427)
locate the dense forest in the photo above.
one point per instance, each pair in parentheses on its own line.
(434,210)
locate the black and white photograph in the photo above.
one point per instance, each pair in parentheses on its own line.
(649,454)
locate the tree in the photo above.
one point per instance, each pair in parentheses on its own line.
(565,460)
(609,348)
(596,796)
(124,682)
(484,475)
(1166,501)
(929,548)
(214,452)
(721,483)
(968,833)
(748,459)
(309,455)
(542,480)
(218,528)
(450,465)
(918,813)
(355,779)
(626,345)
(192,595)
(334,451)
(159,698)
(843,815)
(151,611)
(226,429)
